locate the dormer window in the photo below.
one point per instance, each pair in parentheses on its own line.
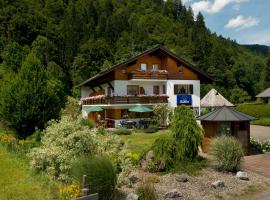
(143,67)
(155,67)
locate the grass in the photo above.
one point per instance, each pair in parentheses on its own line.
(139,142)
(262,122)
(18,182)
(260,111)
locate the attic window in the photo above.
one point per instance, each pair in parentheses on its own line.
(143,67)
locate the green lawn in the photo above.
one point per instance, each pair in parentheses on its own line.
(17,182)
(260,111)
(138,142)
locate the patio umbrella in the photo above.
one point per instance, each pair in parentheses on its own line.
(92,109)
(140,109)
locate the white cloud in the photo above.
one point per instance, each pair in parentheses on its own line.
(213,7)
(241,22)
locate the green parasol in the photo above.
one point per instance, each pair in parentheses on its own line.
(92,109)
(140,109)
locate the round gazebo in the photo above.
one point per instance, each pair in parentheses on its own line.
(226,120)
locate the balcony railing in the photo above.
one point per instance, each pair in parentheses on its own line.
(140,99)
(159,74)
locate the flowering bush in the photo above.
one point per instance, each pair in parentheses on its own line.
(127,162)
(261,145)
(66,140)
(69,192)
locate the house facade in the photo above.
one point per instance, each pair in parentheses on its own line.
(152,77)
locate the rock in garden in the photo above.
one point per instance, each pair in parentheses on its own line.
(132,196)
(218,184)
(150,156)
(134,179)
(161,166)
(172,194)
(181,178)
(242,175)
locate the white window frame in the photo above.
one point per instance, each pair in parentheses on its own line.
(155,67)
(143,67)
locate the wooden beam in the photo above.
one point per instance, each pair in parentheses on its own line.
(93,89)
(110,85)
(100,87)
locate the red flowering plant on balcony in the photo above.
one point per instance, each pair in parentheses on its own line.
(93,97)
(152,95)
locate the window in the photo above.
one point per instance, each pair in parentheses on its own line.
(164,89)
(180,68)
(183,89)
(224,128)
(156,89)
(143,67)
(132,89)
(155,67)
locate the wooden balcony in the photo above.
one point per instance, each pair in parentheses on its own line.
(160,74)
(125,100)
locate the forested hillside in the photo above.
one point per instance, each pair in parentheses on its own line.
(257,48)
(59,43)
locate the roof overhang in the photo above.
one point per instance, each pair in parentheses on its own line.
(162,51)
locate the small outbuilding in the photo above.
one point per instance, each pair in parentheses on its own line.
(214,99)
(265,95)
(228,121)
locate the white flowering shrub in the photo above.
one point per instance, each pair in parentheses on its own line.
(66,140)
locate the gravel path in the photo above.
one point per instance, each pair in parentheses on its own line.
(260,132)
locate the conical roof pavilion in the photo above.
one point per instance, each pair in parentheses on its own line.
(214,99)
(224,114)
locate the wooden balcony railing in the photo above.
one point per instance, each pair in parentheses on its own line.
(125,100)
(160,74)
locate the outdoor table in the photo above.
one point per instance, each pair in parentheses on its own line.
(130,124)
(145,123)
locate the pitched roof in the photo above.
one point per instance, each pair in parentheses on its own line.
(226,114)
(265,93)
(214,99)
(204,76)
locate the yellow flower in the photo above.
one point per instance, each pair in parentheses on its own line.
(70,191)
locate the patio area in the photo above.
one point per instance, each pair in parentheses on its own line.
(258,163)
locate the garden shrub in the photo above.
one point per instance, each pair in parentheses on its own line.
(101,176)
(153,128)
(146,191)
(162,114)
(186,130)
(122,131)
(182,144)
(66,140)
(87,122)
(227,153)
(165,151)
(261,146)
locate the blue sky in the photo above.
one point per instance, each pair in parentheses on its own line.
(246,21)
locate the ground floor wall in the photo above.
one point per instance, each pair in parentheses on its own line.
(239,130)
